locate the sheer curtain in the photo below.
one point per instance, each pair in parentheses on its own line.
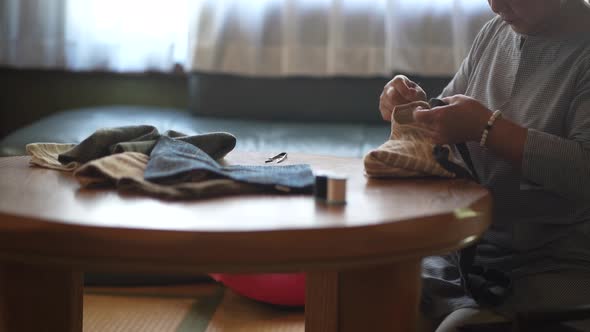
(248,37)
(115,35)
(334,37)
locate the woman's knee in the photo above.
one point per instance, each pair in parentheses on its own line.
(465,316)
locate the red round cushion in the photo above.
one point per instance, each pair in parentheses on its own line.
(279,289)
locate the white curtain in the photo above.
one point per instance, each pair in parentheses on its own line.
(116,35)
(247,37)
(335,37)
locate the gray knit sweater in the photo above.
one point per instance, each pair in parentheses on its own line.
(542,213)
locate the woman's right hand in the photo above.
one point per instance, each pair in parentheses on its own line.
(399,91)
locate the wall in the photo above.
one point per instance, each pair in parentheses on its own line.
(27,95)
(338,99)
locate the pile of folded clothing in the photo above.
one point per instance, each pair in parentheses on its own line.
(169,165)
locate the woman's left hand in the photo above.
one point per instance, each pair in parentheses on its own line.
(462,120)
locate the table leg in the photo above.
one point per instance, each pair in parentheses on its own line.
(35,298)
(382,298)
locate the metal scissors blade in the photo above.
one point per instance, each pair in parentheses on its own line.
(279,158)
(282,158)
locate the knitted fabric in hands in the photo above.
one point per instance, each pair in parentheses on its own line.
(408,152)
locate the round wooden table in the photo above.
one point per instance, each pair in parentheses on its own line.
(362,259)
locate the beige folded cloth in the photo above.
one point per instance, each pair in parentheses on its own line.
(125,172)
(45,155)
(109,171)
(407,153)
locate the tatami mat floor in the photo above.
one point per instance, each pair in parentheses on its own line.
(205,307)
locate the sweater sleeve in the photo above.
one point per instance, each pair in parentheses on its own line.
(458,85)
(559,164)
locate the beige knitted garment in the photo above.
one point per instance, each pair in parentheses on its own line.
(45,155)
(407,153)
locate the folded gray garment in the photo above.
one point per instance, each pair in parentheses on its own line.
(142,139)
(172,162)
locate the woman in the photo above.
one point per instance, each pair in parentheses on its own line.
(531,64)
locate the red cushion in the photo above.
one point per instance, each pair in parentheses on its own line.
(279,289)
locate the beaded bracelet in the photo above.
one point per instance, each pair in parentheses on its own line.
(489,125)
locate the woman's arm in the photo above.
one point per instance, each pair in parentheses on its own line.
(562,164)
(557,164)
(507,140)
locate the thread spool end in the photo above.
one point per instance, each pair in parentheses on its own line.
(330,189)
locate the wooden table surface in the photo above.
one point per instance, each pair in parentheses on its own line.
(49,225)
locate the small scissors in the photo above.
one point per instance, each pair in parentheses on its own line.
(279,158)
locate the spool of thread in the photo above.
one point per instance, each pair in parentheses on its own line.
(330,189)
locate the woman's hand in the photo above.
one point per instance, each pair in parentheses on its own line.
(462,120)
(399,91)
